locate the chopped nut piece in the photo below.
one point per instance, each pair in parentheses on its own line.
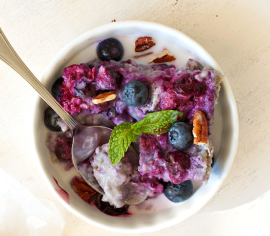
(200,128)
(82,189)
(143,55)
(165,56)
(104,97)
(53,157)
(144,43)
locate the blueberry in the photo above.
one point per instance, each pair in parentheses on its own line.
(50,120)
(135,93)
(213,161)
(178,192)
(110,49)
(106,208)
(56,87)
(180,136)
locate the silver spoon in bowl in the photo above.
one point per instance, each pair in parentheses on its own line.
(96,135)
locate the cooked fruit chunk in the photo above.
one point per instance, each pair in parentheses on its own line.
(63,148)
(189,86)
(177,161)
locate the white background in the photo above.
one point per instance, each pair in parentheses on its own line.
(235,32)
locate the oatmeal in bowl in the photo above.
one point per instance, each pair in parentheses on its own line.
(158,93)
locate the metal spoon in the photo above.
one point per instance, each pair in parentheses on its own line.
(96,135)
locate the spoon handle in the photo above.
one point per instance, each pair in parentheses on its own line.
(9,56)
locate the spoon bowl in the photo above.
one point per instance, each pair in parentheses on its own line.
(85,141)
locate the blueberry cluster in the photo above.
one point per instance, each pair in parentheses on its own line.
(135,93)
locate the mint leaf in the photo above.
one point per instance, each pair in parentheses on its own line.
(121,138)
(157,123)
(123,135)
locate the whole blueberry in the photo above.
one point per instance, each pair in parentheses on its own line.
(178,192)
(56,87)
(135,93)
(106,208)
(180,136)
(110,49)
(213,161)
(50,120)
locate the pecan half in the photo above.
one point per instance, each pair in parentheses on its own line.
(144,43)
(104,97)
(200,128)
(165,56)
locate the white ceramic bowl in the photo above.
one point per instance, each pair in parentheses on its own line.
(225,128)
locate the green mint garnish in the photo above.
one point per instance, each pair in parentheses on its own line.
(123,135)
(121,138)
(157,123)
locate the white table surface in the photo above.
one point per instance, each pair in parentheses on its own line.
(235,32)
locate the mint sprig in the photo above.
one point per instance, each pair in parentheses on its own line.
(157,123)
(123,135)
(121,138)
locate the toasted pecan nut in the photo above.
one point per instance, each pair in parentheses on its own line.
(143,55)
(165,56)
(82,189)
(200,128)
(104,97)
(144,43)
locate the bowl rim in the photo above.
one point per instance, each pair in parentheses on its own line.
(146,25)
